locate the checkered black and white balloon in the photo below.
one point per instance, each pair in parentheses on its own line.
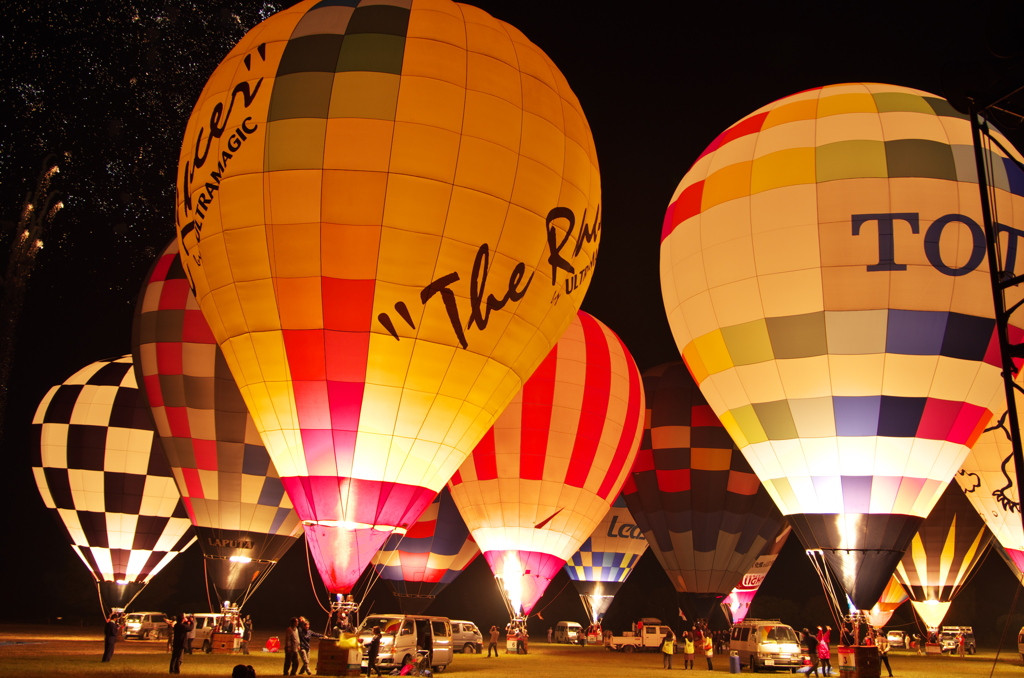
(98,464)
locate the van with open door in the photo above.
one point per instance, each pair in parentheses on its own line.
(405,636)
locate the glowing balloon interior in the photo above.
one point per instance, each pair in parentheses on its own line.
(97,464)
(546,473)
(228,484)
(389,211)
(736,605)
(823,270)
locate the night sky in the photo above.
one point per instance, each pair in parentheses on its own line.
(107,87)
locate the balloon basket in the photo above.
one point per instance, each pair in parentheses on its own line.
(334,660)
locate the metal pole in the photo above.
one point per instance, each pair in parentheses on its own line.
(1002,318)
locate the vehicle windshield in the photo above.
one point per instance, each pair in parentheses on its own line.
(778,634)
(386,624)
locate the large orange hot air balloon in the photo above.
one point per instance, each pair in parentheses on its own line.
(823,269)
(228,484)
(546,473)
(389,211)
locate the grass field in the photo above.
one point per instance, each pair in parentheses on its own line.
(42,651)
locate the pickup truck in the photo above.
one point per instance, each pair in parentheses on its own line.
(649,639)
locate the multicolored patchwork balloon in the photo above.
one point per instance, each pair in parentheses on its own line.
(548,470)
(228,484)
(389,211)
(98,464)
(824,274)
(606,559)
(435,550)
(693,494)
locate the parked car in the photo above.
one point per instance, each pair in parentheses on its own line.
(948,635)
(896,638)
(568,632)
(1020,643)
(145,625)
(466,637)
(766,645)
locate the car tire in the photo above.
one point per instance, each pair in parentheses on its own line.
(206,647)
(469,648)
(148,635)
(405,660)
(753,665)
(628,649)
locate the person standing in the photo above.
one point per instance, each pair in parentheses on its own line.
(179,636)
(668,648)
(291,647)
(883,651)
(373,650)
(824,652)
(810,644)
(109,637)
(688,650)
(304,634)
(190,638)
(960,644)
(550,632)
(709,650)
(493,645)
(246,634)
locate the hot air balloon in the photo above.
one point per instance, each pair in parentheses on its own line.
(546,473)
(389,211)
(97,463)
(606,559)
(229,486)
(736,605)
(435,550)
(949,545)
(695,497)
(892,597)
(824,274)
(990,484)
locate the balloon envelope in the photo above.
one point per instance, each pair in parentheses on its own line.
(389,212)
(702,509)
(739,599)
(228,484)
(435,550)
(823,269)
(546,473)
(97,464)
(606,559)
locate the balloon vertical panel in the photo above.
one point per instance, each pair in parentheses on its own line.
(824,273)
(228,484)
(545,475)
(611,552)
(97,464)
(389,211)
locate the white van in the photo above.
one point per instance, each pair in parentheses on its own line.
(766,644)
(466,637)
(206,626)
(568,632)
(403,635)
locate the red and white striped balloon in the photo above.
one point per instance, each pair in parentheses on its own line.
(547,472)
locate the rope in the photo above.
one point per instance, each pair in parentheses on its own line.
(312,584)
(206,579)
(537,613)
(817,558)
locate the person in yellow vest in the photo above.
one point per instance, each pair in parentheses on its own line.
(668,648)
(688,650)
(709,650)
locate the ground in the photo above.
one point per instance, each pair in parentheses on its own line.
(45,651)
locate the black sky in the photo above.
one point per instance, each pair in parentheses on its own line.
(108,86)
